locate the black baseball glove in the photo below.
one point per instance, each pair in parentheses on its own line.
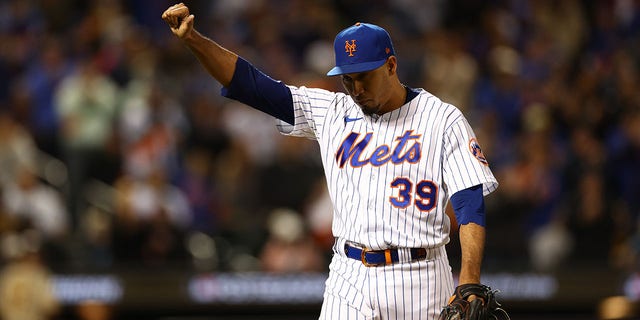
(484,307)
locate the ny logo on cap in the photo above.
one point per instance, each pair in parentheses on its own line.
(350,47)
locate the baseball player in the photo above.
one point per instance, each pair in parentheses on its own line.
(393,157)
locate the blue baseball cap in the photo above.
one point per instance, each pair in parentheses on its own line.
(360,48)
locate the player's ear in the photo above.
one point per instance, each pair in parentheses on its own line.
(392,65)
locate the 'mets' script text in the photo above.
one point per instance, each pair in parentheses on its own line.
(406,149)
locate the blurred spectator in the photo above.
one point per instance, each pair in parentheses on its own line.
(583,221)
(559,29)
(590,222)
(289,247)
(94,248)
(151,126)
(254,130)
(38,205)
(41,81)
(20,26)
(449,71)
(532,181)
(498,98)
(625,183)
(86,102)
(151,218)
(26,289)
(32,200)
(626,158)
(207,129)
(208,206)
(17,149)
(162,242)
(288,179)
(551,245)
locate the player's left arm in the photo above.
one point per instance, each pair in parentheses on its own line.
(468,206)
(471,299)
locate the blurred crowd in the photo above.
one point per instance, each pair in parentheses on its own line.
(117,150)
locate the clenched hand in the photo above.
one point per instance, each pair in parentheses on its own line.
(179,20)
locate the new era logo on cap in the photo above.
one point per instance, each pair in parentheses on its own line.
(360,48)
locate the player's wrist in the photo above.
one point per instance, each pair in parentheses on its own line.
(469,274)
(190,36)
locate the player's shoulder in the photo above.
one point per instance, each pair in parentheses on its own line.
(437,105)
(320,98)
(313,92)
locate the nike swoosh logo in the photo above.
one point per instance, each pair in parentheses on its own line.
(347,119)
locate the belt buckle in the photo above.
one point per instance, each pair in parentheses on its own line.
(363,258)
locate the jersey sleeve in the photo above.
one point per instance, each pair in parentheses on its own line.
(311,109)
(254,88)
(465,165)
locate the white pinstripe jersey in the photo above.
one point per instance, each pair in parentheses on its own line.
(390,176)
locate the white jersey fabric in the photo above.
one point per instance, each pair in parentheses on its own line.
(389,178)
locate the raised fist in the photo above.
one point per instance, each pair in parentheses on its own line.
(179,20)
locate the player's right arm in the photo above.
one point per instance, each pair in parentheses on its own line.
(218,61)
(241,80)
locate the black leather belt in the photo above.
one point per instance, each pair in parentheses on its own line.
(374,258)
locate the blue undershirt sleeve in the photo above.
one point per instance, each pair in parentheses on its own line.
(468,205)
(254,88)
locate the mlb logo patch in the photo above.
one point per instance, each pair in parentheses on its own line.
(476,151)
